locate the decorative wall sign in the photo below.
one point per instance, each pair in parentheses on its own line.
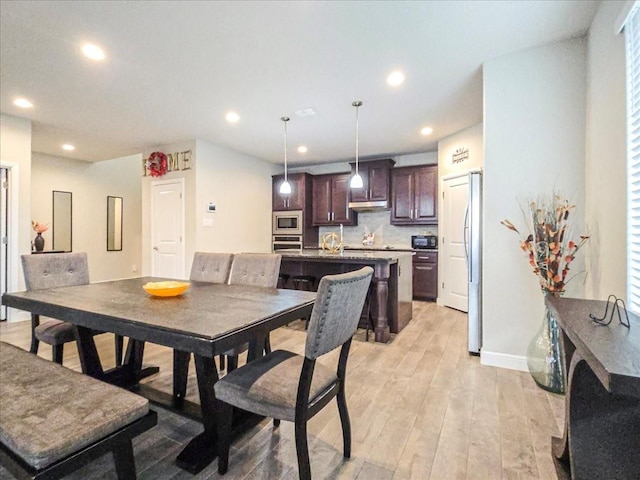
(460,155)
(159,163)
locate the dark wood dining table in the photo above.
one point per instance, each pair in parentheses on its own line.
(207,320)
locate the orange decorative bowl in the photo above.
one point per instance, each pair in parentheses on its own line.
(169,288)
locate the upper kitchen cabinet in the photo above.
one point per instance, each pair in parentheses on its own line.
(300,195)
(331,200)
(414,194)
(375,179)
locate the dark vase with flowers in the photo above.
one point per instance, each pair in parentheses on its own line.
(545,353)
(38,242)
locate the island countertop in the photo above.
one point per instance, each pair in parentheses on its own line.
(390,256)
(389,301)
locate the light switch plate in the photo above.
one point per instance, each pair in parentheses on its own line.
(207,222)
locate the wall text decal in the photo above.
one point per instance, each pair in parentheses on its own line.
(460,155)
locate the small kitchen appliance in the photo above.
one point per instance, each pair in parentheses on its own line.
(424,242)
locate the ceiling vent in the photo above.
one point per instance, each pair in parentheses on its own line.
(307,112)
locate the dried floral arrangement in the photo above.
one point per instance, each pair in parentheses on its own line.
(39,227)
(549,248)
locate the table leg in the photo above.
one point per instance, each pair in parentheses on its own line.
(380,320)
(202,450)
(126,375)
(88,353)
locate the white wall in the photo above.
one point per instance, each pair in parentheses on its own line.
(606,174)
(534,120)
(470,138)
(423,158)
(240,186)
(90,184)
(15,153)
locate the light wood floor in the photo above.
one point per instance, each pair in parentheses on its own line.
(420,406)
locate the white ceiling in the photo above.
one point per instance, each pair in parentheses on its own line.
(173,70)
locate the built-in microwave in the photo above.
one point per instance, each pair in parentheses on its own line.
(287,223)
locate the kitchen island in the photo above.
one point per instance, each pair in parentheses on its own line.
(391,292)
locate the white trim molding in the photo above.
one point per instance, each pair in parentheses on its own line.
(625,12)
(503,360)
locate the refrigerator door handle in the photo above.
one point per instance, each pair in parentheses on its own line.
(465,229)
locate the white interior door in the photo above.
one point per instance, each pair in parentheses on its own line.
(167,229)
(4,237)
(455,289)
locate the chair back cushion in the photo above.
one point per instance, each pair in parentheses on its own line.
(211,267)
(257,269)
(337,310)
(53,270)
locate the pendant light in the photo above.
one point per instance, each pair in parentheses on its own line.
(285,188)
(356,180)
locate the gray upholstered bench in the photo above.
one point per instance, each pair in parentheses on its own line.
(54,420)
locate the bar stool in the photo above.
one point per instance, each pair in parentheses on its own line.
(366,318)
(283,278)
(304,282)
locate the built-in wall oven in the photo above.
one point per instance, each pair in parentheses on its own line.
(287,223)
(287,242)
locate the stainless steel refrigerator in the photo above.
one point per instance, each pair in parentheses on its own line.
(472,236)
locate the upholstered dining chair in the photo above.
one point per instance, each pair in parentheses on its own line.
(286,386)
(206,267)
(256,269)
(50,271)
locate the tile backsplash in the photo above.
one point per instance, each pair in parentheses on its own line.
(385,234)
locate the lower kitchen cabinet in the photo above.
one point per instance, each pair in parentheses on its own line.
(425,275)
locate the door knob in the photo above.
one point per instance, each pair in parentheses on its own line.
(155,248)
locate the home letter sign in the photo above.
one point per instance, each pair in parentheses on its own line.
(176,161)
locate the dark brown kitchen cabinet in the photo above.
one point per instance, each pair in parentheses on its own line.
(300,192)
(375,179)
(425,275)
(414,194)
(331,200)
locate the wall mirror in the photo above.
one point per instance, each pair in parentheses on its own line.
(61,231)
(114,224)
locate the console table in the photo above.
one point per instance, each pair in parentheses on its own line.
(601,438)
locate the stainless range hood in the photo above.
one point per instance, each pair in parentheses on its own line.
(370,206)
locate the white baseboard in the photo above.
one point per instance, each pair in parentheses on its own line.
(503,360)
(17,315)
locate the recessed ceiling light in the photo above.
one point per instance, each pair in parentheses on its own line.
(22,103)
(302,149)
(93,52)
(395,78)
(426,131)
(232,117)
(68,147)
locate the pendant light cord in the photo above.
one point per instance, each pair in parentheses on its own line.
(357,104)
(285,120)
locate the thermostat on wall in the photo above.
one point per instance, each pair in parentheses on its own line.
(211,208)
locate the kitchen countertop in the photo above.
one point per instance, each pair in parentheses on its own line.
(380,255)
(379,248)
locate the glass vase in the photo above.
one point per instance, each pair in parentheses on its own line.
(545,354)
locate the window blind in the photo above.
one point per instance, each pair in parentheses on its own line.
(632,36)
